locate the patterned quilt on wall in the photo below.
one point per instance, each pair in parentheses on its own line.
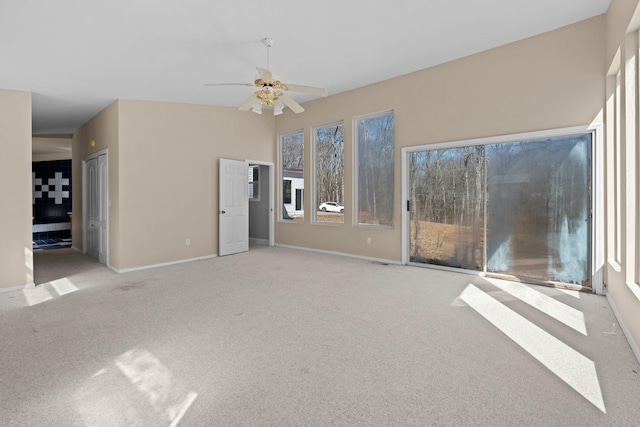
(51,198)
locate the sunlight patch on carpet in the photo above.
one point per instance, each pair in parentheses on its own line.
(63,286)
(137,389)
(578,371)
(48,291)
(561,312)
(37,295)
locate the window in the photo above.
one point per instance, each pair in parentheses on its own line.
(254,183)
(611,167)
(329,173)
(286,191)
(617,179)
(292,175)
(299,198)
(447,207)
(374,177)
(636,166)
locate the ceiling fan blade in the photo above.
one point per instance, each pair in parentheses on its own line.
(229,84)
(248,103)
(264,73)
(289,102)
(308,89)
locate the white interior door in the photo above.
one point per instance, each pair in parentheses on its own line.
(103,207)
(96,208)
(233,213)
(93,209)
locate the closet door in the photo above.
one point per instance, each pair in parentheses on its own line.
(93,208)
(97,205)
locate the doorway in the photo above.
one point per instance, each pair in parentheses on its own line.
(95,206)
(260,203)
(246,201)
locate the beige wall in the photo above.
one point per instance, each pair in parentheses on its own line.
(622,274)
(16,256)
(168,172)
(163,175)
(553,80)
(51,148)
(103,129)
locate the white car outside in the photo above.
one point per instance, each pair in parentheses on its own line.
(331,207)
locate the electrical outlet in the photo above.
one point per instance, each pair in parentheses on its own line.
(188,242)
(368,240)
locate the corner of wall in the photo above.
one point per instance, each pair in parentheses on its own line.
(98,134)
(16,250)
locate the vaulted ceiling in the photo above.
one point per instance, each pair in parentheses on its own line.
(76,57)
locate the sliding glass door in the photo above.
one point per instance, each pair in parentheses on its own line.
(447,207)
(520,208)
(538,208)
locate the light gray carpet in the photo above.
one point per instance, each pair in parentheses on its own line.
(282,337)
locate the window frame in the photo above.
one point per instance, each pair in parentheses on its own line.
(284,192)
(356,173)
(253,183)
(281,168)
(597,258)
(314,189)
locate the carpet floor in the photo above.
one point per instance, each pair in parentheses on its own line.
(283,337)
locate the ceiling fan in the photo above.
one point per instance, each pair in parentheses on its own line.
(271,92)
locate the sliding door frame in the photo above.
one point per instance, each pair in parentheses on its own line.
(597,192)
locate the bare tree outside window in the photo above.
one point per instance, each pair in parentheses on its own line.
(293,150)
(447,207)
(329,168)
(292,179)
(375,146)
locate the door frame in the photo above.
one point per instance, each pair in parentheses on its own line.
(597,192)
(271,196)
(104,152)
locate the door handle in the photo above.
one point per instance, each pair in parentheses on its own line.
(222,212)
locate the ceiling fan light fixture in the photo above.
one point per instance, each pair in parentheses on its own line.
(256,107)
(268,96)
(277,108)
(272,92)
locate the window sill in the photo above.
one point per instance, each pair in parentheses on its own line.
(290,221)
(330,224)
(375,226)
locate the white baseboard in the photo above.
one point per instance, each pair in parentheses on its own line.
(322,251)
(163,264)
(625,331)
(17,288)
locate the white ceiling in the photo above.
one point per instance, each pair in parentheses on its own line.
(77,56)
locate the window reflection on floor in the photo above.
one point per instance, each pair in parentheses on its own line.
(137,389)
(572,367)
(48,291)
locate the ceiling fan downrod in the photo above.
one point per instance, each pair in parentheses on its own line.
(268,42)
